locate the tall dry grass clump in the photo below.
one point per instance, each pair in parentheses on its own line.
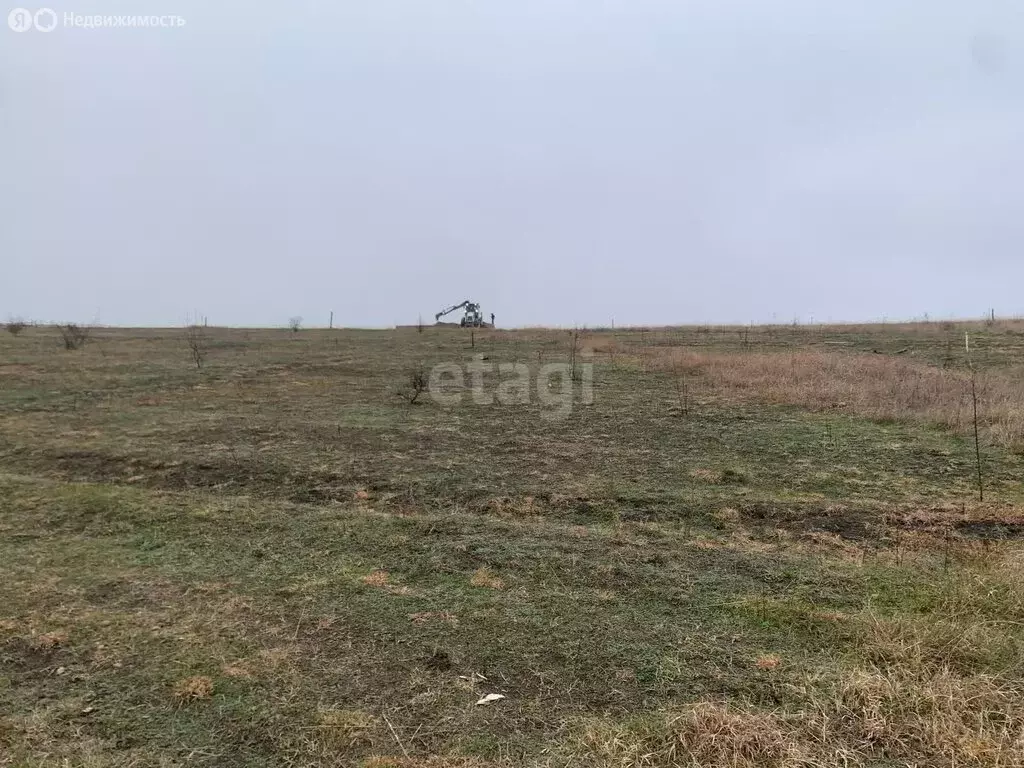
(705,734)
(923,716)
(864,716)
(876,386)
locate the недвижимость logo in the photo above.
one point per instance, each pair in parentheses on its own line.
(22,19)
(45,20)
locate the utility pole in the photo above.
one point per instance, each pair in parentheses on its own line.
(330,325)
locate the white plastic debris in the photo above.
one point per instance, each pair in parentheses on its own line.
(490,698)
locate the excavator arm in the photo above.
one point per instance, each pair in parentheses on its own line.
(444,312)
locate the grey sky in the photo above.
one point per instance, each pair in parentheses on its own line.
(560,162)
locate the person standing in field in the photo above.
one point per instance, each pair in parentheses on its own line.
(492,319)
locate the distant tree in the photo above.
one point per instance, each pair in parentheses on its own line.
(295,323)
(16,325)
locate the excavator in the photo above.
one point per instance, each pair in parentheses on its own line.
(473,318)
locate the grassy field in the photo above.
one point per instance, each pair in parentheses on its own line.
(754,547)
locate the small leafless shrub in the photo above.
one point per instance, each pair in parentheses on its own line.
(682,391)
(974,402)
(295,323)
(16,325)
(416,384)
(73,335)
(195,337)
(574,351)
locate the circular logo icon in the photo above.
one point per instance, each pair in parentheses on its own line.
(45,20)
(20,20)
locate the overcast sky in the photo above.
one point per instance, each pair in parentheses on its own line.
(560,161)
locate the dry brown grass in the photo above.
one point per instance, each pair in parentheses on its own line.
(237,669)
(49,640)
(193,688)
(937,716)
(939,688)
(425,617)
(429,762)
(382,580)
(706,734)
(342,729)
(377,579)
(876,386)
(712,476)
(483,577)
(863,716)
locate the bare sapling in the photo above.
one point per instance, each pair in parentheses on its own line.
(682,394)
(575,373)
(974,403)
(195,338)
(417,382)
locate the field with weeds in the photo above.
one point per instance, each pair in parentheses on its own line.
(733,547)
